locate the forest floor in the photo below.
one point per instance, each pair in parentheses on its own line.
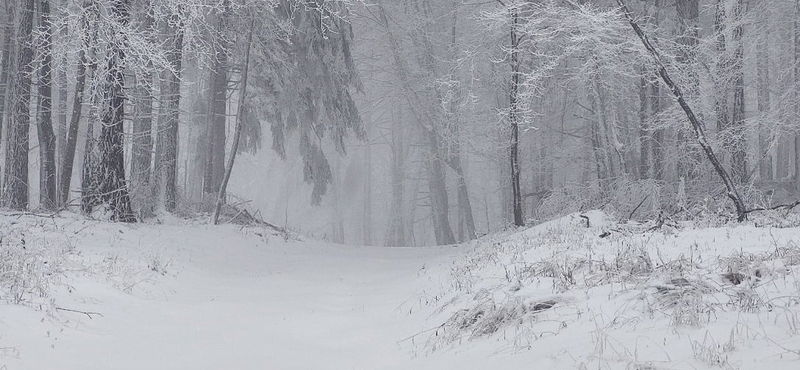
(179,294)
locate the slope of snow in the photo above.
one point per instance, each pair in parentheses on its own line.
(184,295)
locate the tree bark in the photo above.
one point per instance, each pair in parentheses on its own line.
(47,139)
(169,166)
(7,62)
(697,127)
(396,234)
(239,127)
(68,162)
(142,146)
(513,119)
(15,186)
(739,143)
(110,185)
(763,82)
(796,27)
(63,103)
(217,111)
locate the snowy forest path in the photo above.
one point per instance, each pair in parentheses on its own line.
(235,302)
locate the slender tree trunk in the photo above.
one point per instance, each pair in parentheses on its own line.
(111,187)
(15,186)
(88,194)
(722,83)
(697,127)
(47,139)
(239,127)
(68,162)
(514,118)
(645,137)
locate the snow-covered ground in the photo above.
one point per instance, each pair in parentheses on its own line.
(80,294)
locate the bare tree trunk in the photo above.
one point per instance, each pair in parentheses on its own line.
(645,138)
(688,16)
(142,146)
(88,194)
(239,127)
(63,103)
(7,69)
(15,186)
(169,166)
(111,187)
(7,61)
(796,27)
(655,109)
(47,140)
(367,231)
(763,73)
(739,145)
(217,108)
(513,118)
(65,177)
(699,131)
(437,184)
(722,83)
(396,235)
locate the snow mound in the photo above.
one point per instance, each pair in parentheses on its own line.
(622,296)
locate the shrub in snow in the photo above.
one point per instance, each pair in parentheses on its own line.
(29,264)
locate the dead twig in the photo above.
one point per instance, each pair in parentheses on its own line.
(630,216)
(87,313)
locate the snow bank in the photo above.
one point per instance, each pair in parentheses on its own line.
(596,294)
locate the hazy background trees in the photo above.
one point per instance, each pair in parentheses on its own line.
(408,122)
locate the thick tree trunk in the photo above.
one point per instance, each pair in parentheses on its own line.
(15,186)
(63,102)
(396,234)
(796,27)
(142,146)
(217,114)
(47,139)
(110,185)
(7,62)
(688,18)
(739,144)
(763,82)
(437,185)
(367,231)
(169,166)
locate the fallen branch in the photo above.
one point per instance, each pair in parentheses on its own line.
(787,207)
(87,313)
(697,126)
(630,216)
